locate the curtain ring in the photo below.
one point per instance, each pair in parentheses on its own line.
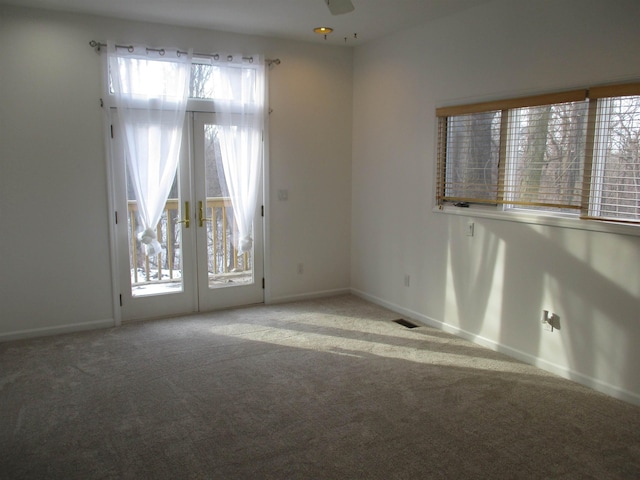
(161,52)
(250,59)
(130,49)
(216,57)
(230,58)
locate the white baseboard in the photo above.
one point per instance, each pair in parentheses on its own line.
(48,331)
(308,296)
(560,370)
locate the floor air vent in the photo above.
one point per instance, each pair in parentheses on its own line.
(405,323)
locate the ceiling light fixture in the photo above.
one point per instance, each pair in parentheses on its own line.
(323,31)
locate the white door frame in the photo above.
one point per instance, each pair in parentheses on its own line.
(115,231)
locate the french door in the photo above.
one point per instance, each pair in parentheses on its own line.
(199,268)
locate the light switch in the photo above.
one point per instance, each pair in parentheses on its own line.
(470,228)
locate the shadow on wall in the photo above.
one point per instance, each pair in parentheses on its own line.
(499,281)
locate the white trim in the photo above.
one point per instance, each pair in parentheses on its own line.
(536,218)
(48,331)
(308,296)
(560,370)
(266,193)
(111,212)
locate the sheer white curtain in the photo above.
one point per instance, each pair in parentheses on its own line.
(150,89)
(239,105)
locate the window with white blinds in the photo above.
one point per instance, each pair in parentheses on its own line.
(545,152)
(614,179)
(472,146)
(574,152)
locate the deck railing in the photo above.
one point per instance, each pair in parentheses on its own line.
(166,267)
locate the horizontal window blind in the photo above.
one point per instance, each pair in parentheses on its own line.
(545,151)
(572,152)
(607,91)
(524,152)
(468,166)
(613,178)
(531,101)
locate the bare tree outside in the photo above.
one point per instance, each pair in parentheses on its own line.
(619,165)
(473,144)
(550,148)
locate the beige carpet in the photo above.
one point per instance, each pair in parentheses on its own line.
(327,389)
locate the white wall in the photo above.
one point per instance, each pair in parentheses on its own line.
(54,234)
(493,287)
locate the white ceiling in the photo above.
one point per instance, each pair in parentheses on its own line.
(292,19)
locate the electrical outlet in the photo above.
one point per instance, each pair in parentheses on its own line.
(550,321)
(546,326)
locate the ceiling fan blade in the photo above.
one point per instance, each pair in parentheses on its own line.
(338,7)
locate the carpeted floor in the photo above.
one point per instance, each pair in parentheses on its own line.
(326,389)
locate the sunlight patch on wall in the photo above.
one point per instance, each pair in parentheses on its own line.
(474,289)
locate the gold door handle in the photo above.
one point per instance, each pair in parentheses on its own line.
(187,216)
(201,217)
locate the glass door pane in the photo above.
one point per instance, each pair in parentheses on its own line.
(225,267)
(162,273)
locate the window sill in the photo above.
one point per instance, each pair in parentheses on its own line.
(520,216)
